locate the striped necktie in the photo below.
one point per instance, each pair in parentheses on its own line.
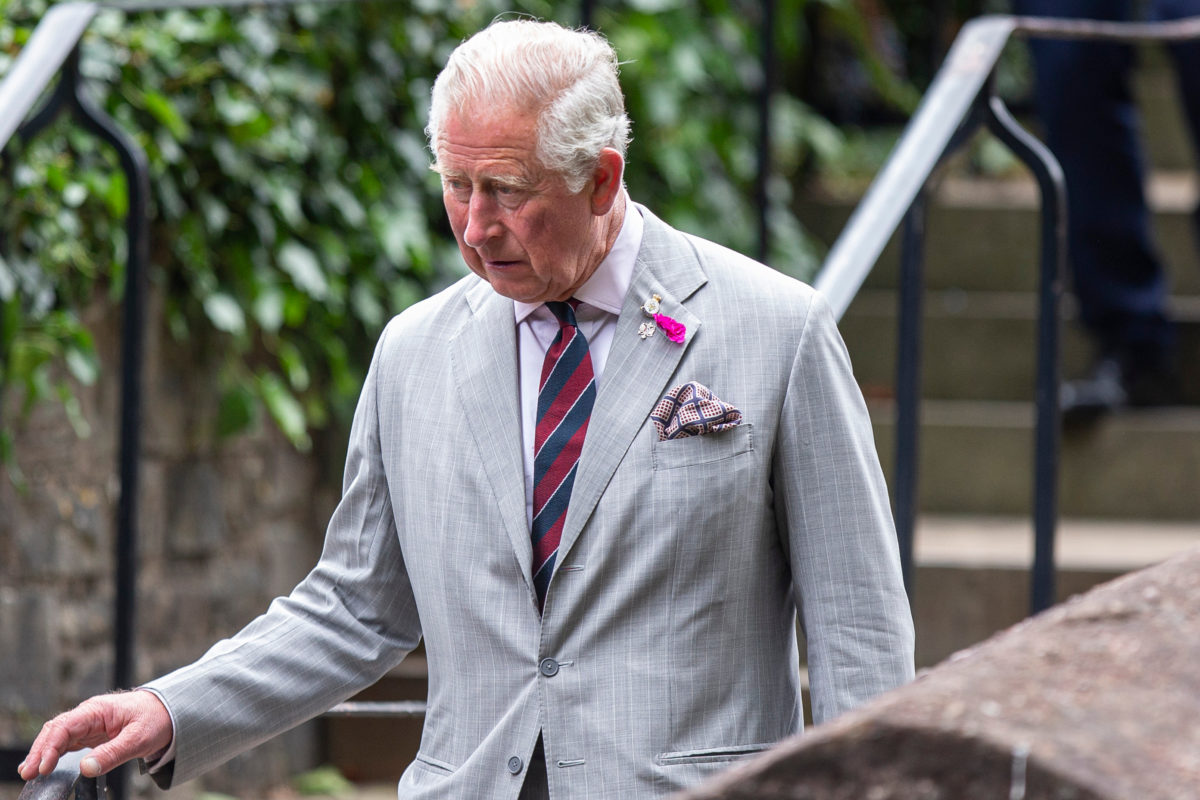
(565,397)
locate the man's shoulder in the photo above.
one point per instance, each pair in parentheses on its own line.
(440,312)
(735,275)
(733,269)
(740,286)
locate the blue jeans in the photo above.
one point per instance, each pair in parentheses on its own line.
(1085,102)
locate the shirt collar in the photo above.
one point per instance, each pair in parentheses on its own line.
(608,285)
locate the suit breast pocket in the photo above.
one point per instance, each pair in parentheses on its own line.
(712,447)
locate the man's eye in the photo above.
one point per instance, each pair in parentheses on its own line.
(510,196)
(458,188)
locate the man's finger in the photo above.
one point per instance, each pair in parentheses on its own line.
(129,744)
(91,767)
(60,735)
(121,727)
(31,767)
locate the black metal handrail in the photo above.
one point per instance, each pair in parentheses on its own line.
(960,101)
(52,49)
(66,782)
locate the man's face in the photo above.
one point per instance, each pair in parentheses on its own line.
(516,224)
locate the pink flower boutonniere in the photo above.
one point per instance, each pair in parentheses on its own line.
(673,328)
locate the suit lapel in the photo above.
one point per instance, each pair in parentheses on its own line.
(484,363)
(638,370)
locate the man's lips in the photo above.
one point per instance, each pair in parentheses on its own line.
(499,264)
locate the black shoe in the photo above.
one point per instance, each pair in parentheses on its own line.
(1115,384)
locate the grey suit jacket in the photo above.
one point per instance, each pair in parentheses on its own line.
(667,648)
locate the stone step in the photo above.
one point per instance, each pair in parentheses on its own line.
(976,457)
(983,345)
(972,575)
(982,234)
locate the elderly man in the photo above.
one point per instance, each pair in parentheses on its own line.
(599,477)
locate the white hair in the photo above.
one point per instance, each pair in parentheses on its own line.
(568,77)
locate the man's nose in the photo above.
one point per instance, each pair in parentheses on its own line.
(482,222)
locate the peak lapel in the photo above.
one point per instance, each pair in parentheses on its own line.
(483,355)
(638,370)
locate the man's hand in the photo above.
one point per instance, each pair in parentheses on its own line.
(121,727)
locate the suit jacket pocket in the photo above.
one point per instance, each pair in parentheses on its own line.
(692,450)
(710,755)
(435,765)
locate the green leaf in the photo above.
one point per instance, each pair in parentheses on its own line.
(216,214)
(301,264)
(295,309)
(285,409)
(235,110)
(268,309)
(83,365)
(74,412)
(224,313)
(347,204)
(286,198)
(326,781)
(260,33)
(163,110)
(366,305)
(112,189)
(8,282)
(74,194)
(653,6)
(56,176)
(235,413)
(293,366)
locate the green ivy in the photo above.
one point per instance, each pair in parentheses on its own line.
(293,208)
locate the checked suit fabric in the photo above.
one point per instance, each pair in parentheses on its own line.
(566,394)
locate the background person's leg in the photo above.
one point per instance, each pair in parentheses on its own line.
(1085,102)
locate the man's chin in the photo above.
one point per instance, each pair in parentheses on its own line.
(514,289)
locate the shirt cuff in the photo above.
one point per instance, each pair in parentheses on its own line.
(159,761)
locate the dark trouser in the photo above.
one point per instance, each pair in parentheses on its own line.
(535,787)
(1085,101)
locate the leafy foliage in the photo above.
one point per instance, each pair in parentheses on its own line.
(293,208)
(325,781)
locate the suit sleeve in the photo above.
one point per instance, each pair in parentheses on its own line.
(836,526)
(349,621)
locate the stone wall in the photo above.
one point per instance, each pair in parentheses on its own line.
(224,525)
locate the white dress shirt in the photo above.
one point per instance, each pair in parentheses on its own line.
(600,297)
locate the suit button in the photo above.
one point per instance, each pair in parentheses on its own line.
(549,667)
(515,764)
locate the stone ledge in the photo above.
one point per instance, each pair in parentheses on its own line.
(1093,700)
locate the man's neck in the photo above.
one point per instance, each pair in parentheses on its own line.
(607,230)
(615,219)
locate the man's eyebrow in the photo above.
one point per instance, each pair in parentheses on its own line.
(508,181)
(511,181)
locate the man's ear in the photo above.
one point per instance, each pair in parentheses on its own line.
(606,181)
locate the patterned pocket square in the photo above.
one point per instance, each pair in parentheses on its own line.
(690,409)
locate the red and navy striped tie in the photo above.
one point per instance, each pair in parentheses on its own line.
(565,397)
